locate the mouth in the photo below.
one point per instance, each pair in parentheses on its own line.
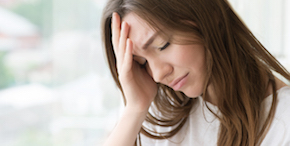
(178,83)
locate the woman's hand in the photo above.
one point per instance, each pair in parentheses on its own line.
(138,86)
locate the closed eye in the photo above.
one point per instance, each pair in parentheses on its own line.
(141,61)
(165,46)
(144,64)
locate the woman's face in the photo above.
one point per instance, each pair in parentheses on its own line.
(181,67)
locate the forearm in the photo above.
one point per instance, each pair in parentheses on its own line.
(127,128)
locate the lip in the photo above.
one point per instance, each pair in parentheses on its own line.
(178,83)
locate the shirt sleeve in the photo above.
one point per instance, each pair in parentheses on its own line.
(279,132)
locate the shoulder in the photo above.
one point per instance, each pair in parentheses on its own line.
(279,132)
(283,102)
(283,105)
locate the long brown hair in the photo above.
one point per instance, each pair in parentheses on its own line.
(238,66)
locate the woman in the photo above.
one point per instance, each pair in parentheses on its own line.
(193,74)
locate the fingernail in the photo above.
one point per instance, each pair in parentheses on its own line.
(123,24)
(113,15)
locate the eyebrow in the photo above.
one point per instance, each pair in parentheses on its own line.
(149,41)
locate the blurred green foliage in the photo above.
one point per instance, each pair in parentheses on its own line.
(34,137)
(38,12)
(6,76)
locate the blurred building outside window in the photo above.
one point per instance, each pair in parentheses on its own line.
(55,86)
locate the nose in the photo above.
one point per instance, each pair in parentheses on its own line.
(159,69)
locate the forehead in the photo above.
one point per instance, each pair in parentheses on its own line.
(140,31)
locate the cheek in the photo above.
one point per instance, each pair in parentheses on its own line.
(191,56)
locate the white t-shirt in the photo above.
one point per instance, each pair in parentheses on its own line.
(202,126)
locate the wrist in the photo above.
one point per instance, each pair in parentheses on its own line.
(135,108)
(135,111)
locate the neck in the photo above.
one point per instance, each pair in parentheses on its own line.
(212,97)
(279,85)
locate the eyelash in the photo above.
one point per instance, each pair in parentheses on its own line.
(162,48)
(165,46)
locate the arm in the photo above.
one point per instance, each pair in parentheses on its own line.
(138,86)
(127,128)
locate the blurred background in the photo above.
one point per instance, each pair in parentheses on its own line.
(55,86)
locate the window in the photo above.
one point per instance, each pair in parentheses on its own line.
(270,23)
(55,86)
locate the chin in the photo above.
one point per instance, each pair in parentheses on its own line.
(193,94)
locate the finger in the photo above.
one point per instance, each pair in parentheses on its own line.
(128,57)
(116,27)
(122,41)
